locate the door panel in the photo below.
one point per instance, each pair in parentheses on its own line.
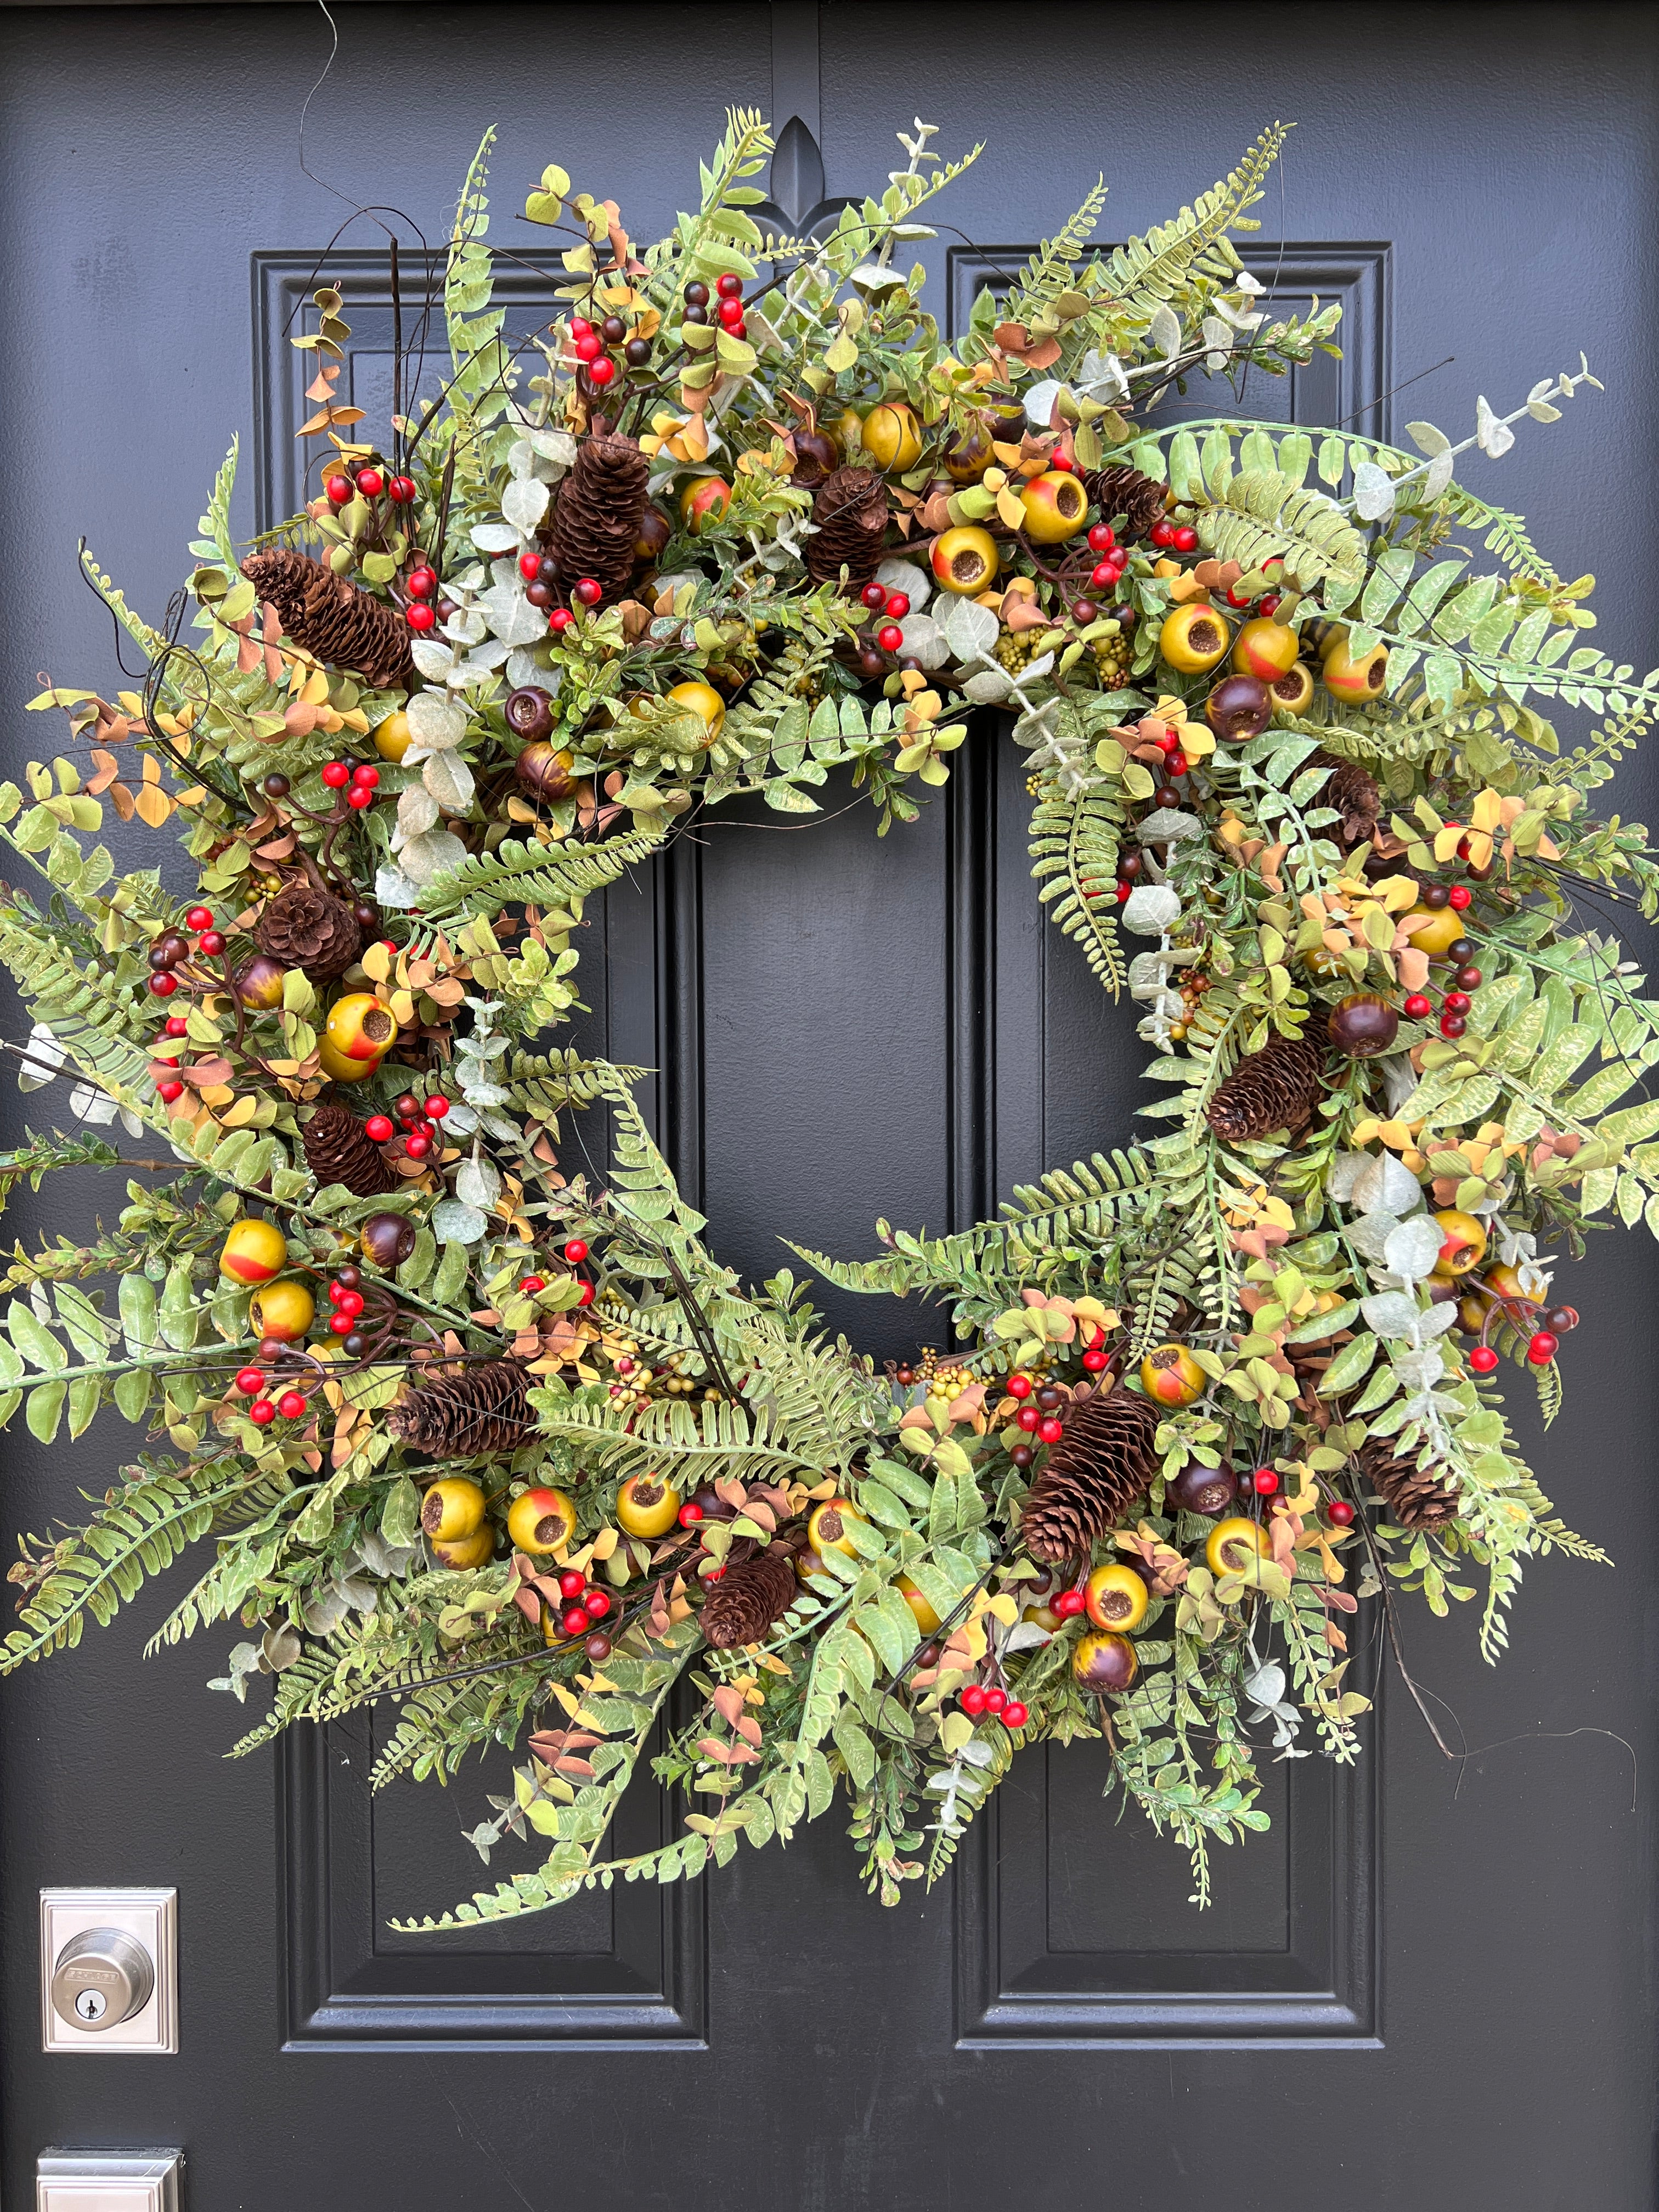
(843,1028)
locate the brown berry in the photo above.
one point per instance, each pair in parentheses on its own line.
(1364,1026)
(1240,706)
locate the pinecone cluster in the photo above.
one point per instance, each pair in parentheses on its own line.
(479,1415)
(742,1607)
(597,522)
(1352,791)
(1416,1498)
(1123,490)
(1103,1462)
(311,930)
(338,1149)
(849,511)
(1276,1088)
(343,625)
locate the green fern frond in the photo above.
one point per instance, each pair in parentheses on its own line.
(1261,514)
(1050,269)
(533,875)
(1192,252)
(1073,846)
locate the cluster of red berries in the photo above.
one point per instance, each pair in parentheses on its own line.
(978,1698)
(173,946)
(1108,571)
(252,1383)
(359,783)
(575,1252)
(583,1604)
(1132,862)
(345,1296)
(419,1120)
(1542,1344)
(369,481)
(895,606)
(1465,977)
(1266,602)
(728,307)
(1174,538)
(420,584)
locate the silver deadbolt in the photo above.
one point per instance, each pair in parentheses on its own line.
(102,1977)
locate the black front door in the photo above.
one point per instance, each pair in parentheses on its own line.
(1429,1984)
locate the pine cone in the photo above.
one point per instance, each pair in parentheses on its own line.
(1123,490)
(850,511)
(311,930)
(1100,1466)
(601,507)
(343,625)
(479,1415)
(748,1598)
(1418,1498)
(338,1149)
(1353,791)
(1276,1088)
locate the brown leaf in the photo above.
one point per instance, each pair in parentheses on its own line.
(728,1704)
(208,1074)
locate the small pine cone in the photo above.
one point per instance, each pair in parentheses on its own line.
(343,625)
(1418,1498)
(1123,490)
(850,512)
(1276,1088)
(482,1414)
(1352,791)
(1094,1473)
(338,1149)
(311,930)
(597,522)
(748,1598)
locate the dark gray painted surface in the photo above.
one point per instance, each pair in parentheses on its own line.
(856,1028)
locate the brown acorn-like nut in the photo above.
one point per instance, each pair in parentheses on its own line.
(387,1240)
(1205,1490)
(529,712)
(260,984)
(1105,1662)
(546,771)
(816,455)
(1364,1026)
(654,532)
(1240,706)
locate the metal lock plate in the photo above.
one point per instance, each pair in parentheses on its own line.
(107,2181)
(109,1977)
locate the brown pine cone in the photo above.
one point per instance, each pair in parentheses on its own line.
(601,505)
(1353,791)
(484,1413)
(742,1607)
(343,625)
(1418,1498)
(1103,1462)
(311,930)
(1123,490)
(1276,1088)
(850,512)
(338,1149)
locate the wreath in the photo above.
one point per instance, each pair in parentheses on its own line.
(506,1443)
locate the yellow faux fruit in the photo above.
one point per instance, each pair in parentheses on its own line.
(703,502)
(927,1619)
(892,437)
(254,1251)
(393,736)
(1292,692)
(1104,1661)
(1193,638)
(965,559)
(1355,681)
(462,1552)
(1170,1376)
(1462,1243)
(812,1570)
(338,1068)
(647,1505)
(1055,504)
(705,702)
(846,430)
(1435,931)
(541,1521)
(453,1508)
(1115,1596)
(827,1530)
(359,1029)
(1235,1546)
(284,1310)
(968,455)
(1265,648)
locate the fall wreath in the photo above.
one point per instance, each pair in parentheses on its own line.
(506,1443)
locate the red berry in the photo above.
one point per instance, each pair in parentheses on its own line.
(595,1604)
(1264,1482)
(1061,461)
(401,488)
(559,620)
(1237,598)
(1162,532)
(889,637)
(366,773)
(378,1126)
(589,346)
(530,1284)
(1101,538)
(1069,1604)
(291,1405)
(336,1291)
(1452,1026)
(262,1411)
(419,616)
(580,327)
(1340,1513)
(575,1621)
(1123,891)
(370,482)
(1028,1418)
(338,489)
(1019,1385)
(1269,605)
(164,985)
(690,1515)
(1456,1002)
(416,1145)
(341,1324)
(1050,1429)
(584,1296)
(1543,1348)
(1103,577)
(730,286)
(973,1699)
(589,592)
(572,1582)
(170,1090)
(601,372)
(1170,741)
(898,604)
(1014,1715)
(199,917)
(874,596)
(1178,763)
(1093,1362)
(212,943)
(437,1106)
(1419,1007)
(1459,895)
(995,1699)
(1483,1359)
(351,1301)
(176,1025)
(421,583)
(359,796)
(730,311)
(250,1382)
(575,1251)
(1186,539)
(335,775)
